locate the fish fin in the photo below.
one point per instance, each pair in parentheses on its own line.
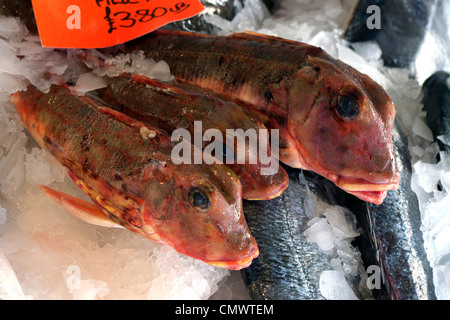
(81,209)
(139,78)
(145,129)
(115,214)
(251,35)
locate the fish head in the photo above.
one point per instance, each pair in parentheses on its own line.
(200,214)
(342,121)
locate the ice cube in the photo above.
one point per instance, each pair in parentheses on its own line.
(231,288)
(442,242)
(88,82)
(434,212)
(321,233)
(12,28)
(161,72)
(445,181)
(334,9)
(441,279)
(31,47)
(419,151)
(37,169)
(350,258)
(334,286)
(182,277)
(428,175)
(350,57)
(251,16)
(90,289)
(326,41)
(421,129)
(10,288)
(10,83)
(341,221)
(445,138)
(369,50)
(12,170)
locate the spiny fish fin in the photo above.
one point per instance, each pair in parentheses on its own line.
(159,32)
(146,130)
(279,42)
(81,209)
(139,78)
(96,197)
(251,35)
(119,215)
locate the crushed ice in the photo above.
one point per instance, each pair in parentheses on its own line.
(431,183)
(333,228)
(44,252)
(32,228)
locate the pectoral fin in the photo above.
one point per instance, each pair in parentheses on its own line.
(81,209)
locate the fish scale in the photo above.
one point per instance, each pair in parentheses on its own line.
(289,266)
(170,108)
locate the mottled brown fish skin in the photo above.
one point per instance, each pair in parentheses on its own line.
(298,89)
(136,180)
(171,108)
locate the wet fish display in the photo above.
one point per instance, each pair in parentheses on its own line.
(171,108)
(288,266)
(125,167)
(317,104)
(436,101)
(332,119)
(418,28)
(392,234)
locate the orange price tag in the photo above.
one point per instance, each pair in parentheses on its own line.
(104,23)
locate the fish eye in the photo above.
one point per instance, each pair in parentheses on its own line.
(199,199)
(347,107)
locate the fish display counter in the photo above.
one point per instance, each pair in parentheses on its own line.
(271,150)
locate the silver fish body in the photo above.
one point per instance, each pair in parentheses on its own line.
(391,233)
(288,267)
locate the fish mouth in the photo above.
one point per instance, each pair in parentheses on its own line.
(236,264)
(366,190)
(367,187)
(270,193)
(375,197)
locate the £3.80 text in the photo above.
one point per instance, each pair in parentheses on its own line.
(128,19)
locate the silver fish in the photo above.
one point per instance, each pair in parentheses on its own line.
(288,266)
(391,233)
(416,27)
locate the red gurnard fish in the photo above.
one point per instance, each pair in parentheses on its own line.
(333,120)
(125,166)
(171,108)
